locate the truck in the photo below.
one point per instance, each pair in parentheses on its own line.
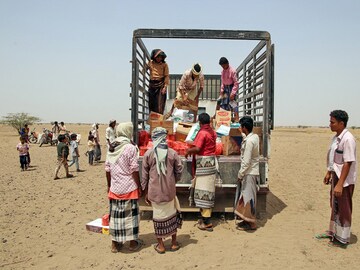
(255,98)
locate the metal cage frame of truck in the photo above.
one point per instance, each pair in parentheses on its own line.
(255,95)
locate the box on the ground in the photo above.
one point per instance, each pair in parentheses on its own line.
(231,145)
(222,117)
(155,116)
(168,125)
(97,227)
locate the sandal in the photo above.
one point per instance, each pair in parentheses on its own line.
(322,236)
(139,244)
(156,247)
(245,227)
(338,244)
(177,247)
(203,227)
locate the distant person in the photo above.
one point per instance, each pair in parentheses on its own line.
(23,149)
(159,80)
(95,133)
(74,152)
(161,169)
(63,129)
(248,176)
(229,89)
(124,190)
(187,97)
(91,149)
(341,174)
(62,155)
(110,135)
(24,132)
(55,131)
(204,170)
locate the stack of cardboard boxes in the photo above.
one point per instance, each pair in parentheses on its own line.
(157,120)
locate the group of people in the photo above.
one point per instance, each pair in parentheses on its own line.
(161,169)
(66,148)
(58,129)
(187,96)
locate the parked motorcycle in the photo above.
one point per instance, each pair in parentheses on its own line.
(46,137)
(33,137)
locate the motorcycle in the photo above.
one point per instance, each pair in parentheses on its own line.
(33,137)
(46,137)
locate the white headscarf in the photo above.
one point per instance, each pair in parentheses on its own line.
(124,133)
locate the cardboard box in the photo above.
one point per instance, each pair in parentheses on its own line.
(168,125)
(182,131)
(222,117)
(234,132)
(231,145)
(97,227)
(258,131)
(155,116)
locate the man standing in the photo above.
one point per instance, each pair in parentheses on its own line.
(187,96)
(161,169)
(341,173)
(204,170)
(110,135)
(248,176)
(229,88)
(95,133)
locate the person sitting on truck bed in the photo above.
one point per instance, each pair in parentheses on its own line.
(159,80)
(161,169)
(204,166)
(248,176)
(187,97)
(229,88)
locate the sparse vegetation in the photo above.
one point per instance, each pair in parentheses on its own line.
(18,120)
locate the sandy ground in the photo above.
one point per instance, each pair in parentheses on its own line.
(42,221)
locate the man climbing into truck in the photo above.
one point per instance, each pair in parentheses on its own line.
(229,89)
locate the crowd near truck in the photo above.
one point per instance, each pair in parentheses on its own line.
(255,98)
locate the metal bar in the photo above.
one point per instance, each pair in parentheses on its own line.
(134,91)
(202,34)
(258,47)
(271,112)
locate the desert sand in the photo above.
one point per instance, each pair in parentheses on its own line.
(42,221)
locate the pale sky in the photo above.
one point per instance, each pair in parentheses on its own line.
(68,60)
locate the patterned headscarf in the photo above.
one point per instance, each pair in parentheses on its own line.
(124,133)
(160,147)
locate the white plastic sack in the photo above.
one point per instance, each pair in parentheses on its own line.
(192,133)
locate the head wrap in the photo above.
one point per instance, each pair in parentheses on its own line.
(196,69)
(124,133)
(157,52)
(112,121)
(158,136)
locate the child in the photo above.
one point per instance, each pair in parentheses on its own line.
(74,150)
(91,149)
(23,149)
(62,152)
